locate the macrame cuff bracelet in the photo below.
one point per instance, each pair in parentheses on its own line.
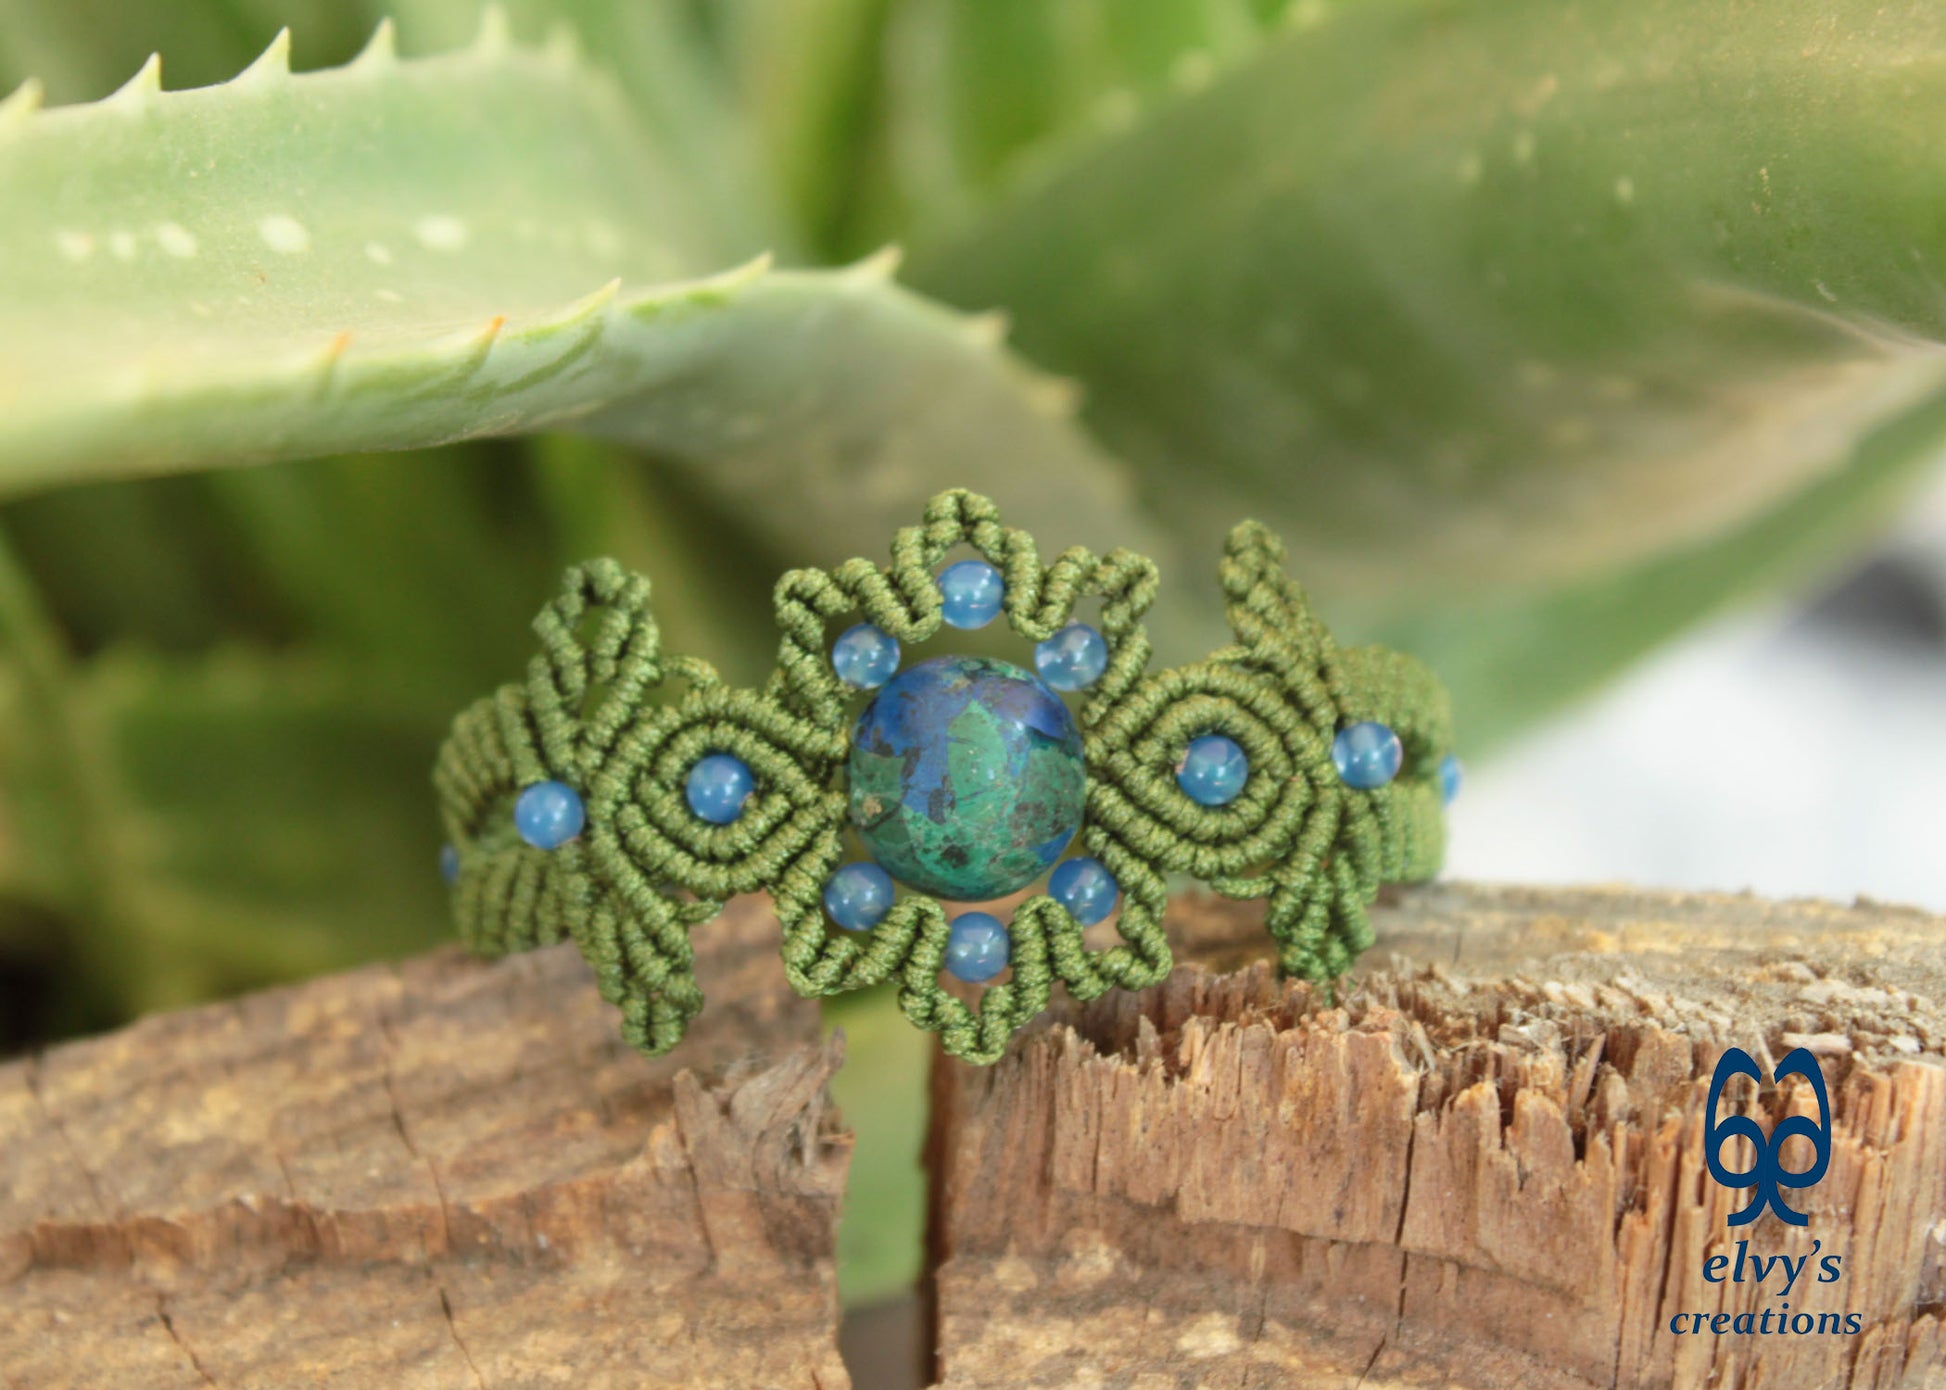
(620,795)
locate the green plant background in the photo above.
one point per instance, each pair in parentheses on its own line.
(1540,328)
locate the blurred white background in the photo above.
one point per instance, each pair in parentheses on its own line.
(1794,751)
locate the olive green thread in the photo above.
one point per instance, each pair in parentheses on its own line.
(601,711)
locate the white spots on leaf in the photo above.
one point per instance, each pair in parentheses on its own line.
(1523,147)
(285,235)
(378,253)
(172,237)
(1624,190)
(175,240)
(441,232)
(1824,291)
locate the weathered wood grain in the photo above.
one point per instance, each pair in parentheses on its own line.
(447,1174)
(1482,1166)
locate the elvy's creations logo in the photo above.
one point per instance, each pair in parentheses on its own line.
(1767,1178)
(1767,1173)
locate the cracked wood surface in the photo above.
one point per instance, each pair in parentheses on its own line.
(447,1174)
(1483,1167)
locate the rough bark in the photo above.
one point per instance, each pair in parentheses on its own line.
(446,1174)
(1481,1166)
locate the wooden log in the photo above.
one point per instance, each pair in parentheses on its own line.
(448,1174)
(1481,1166)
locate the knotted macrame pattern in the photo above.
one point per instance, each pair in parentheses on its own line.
(605,711)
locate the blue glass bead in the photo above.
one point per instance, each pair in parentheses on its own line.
(977,949)
(1213,770)
(1085,888)
(865,656)
(717,787)
(1368,755)
(1073,658)
(970,594)
(549,814)
(858,896)
(1451,775)
(449,863)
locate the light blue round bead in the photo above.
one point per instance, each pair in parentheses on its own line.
(717,787)
(1085,888)
(858,896)
(977,948)
(1451,775)
(1213,770)
(449,863)
(970,593)
(1368,755)
(865,656)
(549,814)
(1073,658)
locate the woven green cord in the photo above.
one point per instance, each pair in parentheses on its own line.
(606,712)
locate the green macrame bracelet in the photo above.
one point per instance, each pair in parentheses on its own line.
(606,712)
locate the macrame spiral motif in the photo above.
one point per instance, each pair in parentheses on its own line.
(606,712)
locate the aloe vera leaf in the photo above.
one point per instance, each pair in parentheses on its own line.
(882,1092)
(1477,300)
(421,571)
(212,824)
(665,64)
(712,579)
(176,582)
(804,74)
(80,48)
(466,246)
(267,820)
(1502,658)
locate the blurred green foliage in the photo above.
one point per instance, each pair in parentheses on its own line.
(1540,327)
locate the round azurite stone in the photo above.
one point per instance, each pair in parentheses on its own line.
(549,814)
(1368,755)
(970,594)
(858,896)
(977,947)
(1085,888)
(1451,774)
(966,778)
(1213,770)
(1073,658)
(865,656)
(717,787)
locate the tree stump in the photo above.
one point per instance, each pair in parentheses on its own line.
(1481,1166)
(451,1174)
